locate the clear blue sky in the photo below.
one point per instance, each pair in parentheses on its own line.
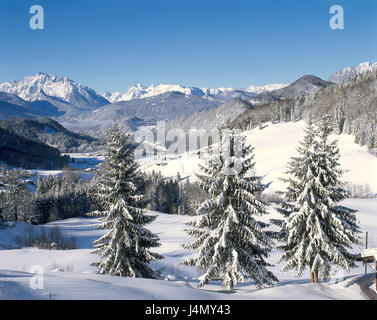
(112,44)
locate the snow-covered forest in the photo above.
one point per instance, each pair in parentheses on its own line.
(275,212)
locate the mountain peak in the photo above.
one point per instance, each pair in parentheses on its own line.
(30,88)
(138,91)
(310,79)
(350,72)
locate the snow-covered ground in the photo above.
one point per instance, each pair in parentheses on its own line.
(274,146)
(85,163)
(67,274)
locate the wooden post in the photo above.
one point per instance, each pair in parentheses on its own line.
(366,247)
(316,280)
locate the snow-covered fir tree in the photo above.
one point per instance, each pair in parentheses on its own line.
(231,243)
(125,249)
(317,232)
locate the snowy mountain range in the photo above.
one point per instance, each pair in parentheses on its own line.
(80,107)
(139,91)
(134,113)
(351,72)
(37,87)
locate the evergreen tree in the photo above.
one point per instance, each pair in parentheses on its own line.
(125,248)
(231,243)
(17,200)
(317,231)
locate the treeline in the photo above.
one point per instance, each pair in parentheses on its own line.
(26,153)
(55,198)
(352,104)
(170,195)
(62,197)
(50,199)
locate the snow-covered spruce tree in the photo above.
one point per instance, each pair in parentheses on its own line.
(125,249)
(230,241)
(317,232)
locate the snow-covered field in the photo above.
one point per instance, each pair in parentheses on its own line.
(274,146)
(67,274)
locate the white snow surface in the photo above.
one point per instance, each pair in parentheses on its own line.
(67,274)
(265,88)
(372,252)
(274,145)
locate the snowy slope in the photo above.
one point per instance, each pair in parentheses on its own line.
(351,72)
(80,281)
(274,145)
(212,118)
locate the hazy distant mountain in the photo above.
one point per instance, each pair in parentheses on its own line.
(221,94)
(351,72)
(140,112)
(305,85)
(50,132)
(139,92)
(266,88)
(13,106)
(231,109)
(213,118)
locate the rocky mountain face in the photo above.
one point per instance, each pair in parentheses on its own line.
(351,72)
(62,94)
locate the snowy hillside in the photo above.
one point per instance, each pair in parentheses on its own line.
(13,106)
(67,274)
(274,145)
(212,118)
(351,72)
